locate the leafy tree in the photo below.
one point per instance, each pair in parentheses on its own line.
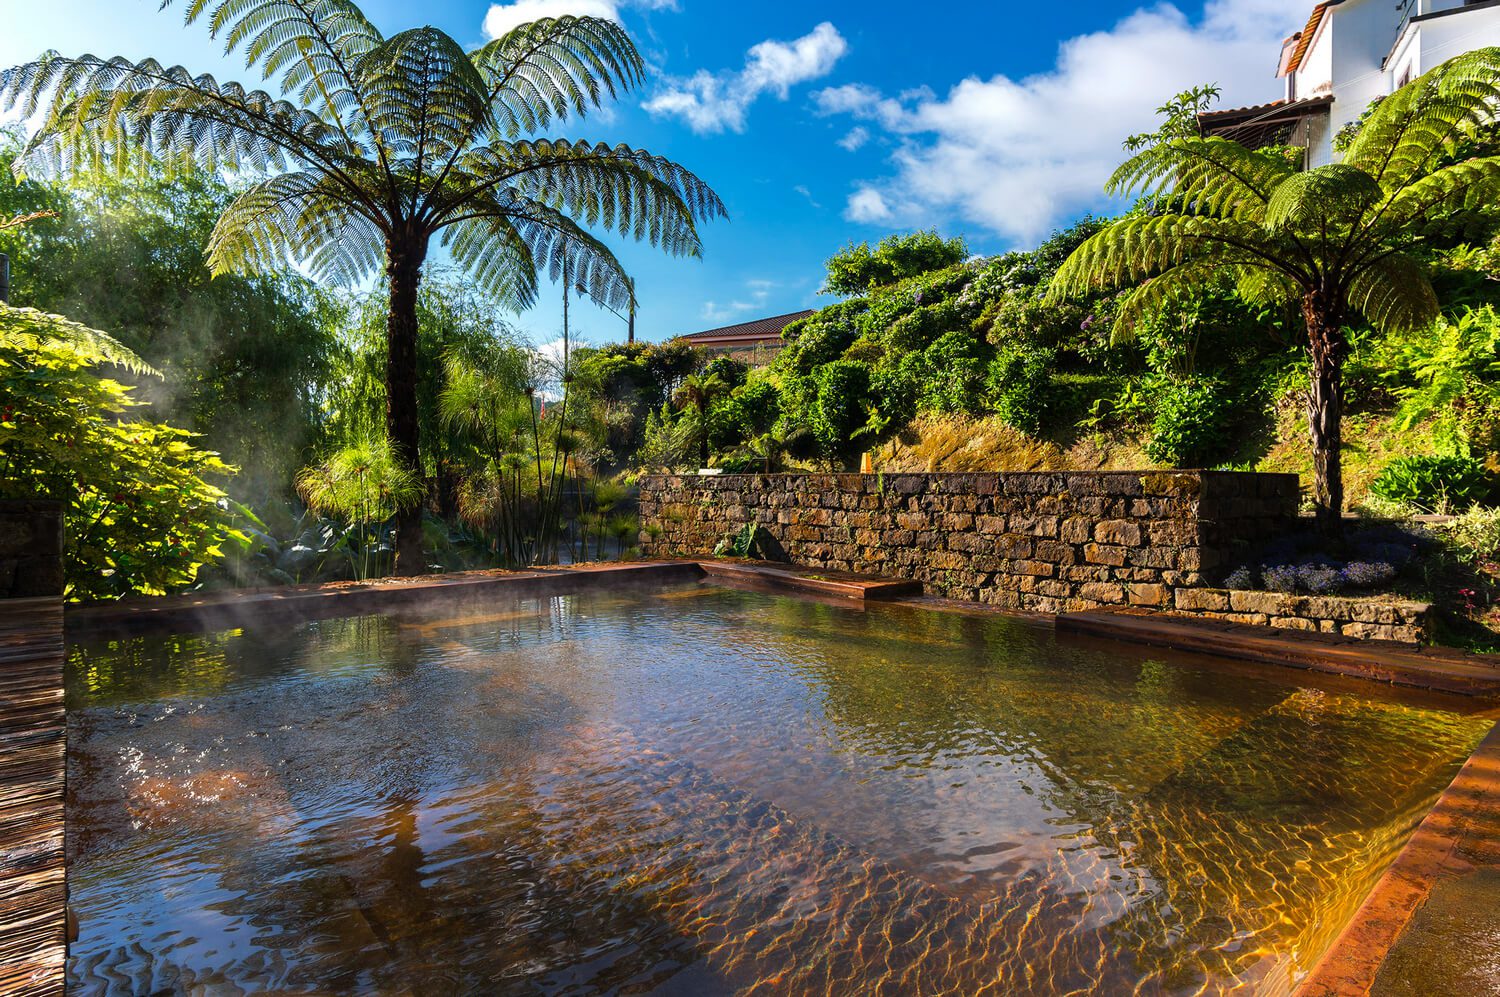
(1337,241)
(841,409)
(492,401)
(244,359)
(858,269)
(458,321)
(139,514)
(381,146)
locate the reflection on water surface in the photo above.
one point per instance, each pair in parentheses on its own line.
(711,791)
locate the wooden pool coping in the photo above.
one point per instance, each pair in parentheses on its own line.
(33,888)
(1462,828)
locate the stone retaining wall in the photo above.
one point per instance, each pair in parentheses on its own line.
(31,545)
(1047,542)
(1371,618)
(1040,541)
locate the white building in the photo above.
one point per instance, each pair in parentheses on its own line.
(1349,53)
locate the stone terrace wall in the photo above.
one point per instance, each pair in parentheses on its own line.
(1373,617)
(31,544)
(1040,541)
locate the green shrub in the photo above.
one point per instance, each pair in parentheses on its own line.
(1019,384)
(857,269)
(1475,535)
(841,409)
(1436,483)
(1191,424)
(139,515)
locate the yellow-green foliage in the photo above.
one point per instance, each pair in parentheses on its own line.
(139,516)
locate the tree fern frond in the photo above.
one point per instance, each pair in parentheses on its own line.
(1465,186)
(1405,135)
(98,113)
(555,67)
(1139,247)
(546,239)
(1151,295)
(28,325)
(1334,193)
(628,190)
(297,217)
(424,96)
(1394,294)
(1223,177)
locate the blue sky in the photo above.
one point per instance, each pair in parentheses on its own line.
(821,123)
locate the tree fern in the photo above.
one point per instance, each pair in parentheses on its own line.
(1333,241)
(365,149)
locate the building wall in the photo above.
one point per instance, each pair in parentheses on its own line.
(1364,31)
(1355,37)
(1440,39)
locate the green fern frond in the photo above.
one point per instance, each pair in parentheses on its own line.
(1221,177)
(1337,193)
(1404,137)
(27,326)
(554,67)
(1394,294)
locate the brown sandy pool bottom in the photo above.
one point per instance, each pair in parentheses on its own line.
(709,791)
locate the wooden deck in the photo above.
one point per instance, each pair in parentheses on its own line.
(32,730)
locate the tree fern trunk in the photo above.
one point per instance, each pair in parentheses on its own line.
(404,271)
(1325,407)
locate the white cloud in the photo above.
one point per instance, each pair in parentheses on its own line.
(855,140)
(502,17)
(867,205)
(1021,156)
(713,102)
(805,192)
(758,293)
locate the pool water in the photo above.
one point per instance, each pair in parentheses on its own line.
(704,790)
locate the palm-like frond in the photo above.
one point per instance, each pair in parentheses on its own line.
(1464,186)
(506,240)
(98,113)
(1404,137)
(425,98)
(303,216)
(1337,194)
(23,326)
(1221,177)
(1143,246)
(628,190)
(554,67)
(1393,293)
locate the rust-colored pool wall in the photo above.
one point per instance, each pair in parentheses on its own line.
(1459,840)
(32,737)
